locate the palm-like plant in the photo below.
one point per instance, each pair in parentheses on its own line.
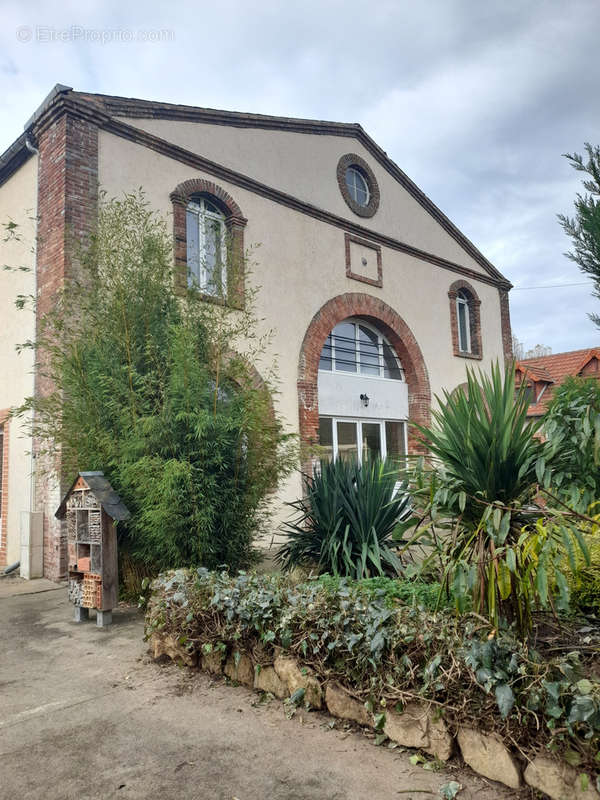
(345,520)
(488,464)
(485,442)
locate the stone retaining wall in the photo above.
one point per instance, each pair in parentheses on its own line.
(420,725)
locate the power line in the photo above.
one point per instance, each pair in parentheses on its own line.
(549,286)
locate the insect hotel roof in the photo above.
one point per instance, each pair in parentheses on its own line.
(104,494)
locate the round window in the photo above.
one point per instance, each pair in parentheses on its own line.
(357,186)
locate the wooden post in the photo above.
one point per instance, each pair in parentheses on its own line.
(109,563)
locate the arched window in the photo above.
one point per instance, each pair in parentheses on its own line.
(206,247)
(356,347)
(364,407)
(465,320)
(208,228)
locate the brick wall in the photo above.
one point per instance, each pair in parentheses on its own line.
(505,326)
(67,210)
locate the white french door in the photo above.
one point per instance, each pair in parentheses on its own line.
(357,439)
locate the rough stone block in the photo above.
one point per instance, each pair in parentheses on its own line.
(169,646)
(267,680)
(291,674)
(340,704)
(418,726)
(558,781)
(212,662)
(487,755)
(242,672)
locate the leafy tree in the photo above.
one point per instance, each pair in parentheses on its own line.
(584,228)
(159,391)
(572,424)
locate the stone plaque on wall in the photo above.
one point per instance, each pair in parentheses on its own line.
(363,260)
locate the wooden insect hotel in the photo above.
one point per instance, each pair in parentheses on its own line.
(91,508)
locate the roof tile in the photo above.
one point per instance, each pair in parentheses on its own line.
(554,369)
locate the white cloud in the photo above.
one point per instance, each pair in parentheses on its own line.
(475,101)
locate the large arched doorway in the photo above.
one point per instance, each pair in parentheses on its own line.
(358,345)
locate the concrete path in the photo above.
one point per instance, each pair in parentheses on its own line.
(85,714)
(11,585)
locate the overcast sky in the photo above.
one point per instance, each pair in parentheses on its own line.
(476,101)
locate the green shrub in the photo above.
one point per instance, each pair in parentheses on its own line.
(345,520)
(585,580)
(572,425)
(147,388)
(389,654)
(394,590)
(499,551)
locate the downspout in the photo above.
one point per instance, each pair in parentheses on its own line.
(32,486)
(32,460)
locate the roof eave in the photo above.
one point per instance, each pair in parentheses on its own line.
(14,157)
(133,107)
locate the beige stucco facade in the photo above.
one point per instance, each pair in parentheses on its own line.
(311,254)
(18,203)
(304,166)
(300,265)
(299,262)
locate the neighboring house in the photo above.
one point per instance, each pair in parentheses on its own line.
(377,300)
(542,375)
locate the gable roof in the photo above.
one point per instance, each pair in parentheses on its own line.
(553,370)
(534,371)
(106,109)
(560,365)
(104,494)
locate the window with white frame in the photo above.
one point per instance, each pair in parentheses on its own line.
(353,346)
(357,186)
(206,246)
(464,322)
(358,439)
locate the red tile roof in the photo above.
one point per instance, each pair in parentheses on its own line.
(552,370)
(535,372)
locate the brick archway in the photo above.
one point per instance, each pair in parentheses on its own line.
(391,324)
(184,191)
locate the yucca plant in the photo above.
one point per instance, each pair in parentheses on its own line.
(488,465)
(485,443)
(344,522)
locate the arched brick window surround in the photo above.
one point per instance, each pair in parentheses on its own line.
(393,327)
(234,219)
(474,304)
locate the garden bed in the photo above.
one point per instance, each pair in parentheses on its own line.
(424,679)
